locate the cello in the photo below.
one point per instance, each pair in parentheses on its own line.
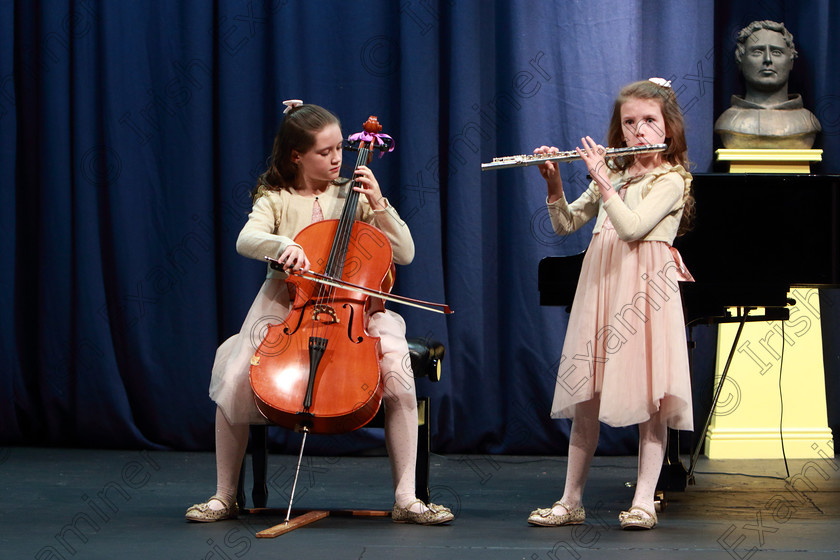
(318,370)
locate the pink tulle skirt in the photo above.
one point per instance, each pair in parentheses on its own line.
(230,384)
(626,340)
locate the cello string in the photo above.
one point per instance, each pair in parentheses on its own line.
(325,295)
(335,262)
(345,225)
(322,294)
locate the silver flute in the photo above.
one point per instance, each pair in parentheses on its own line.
(571,155)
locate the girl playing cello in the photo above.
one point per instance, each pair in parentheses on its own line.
(302,186)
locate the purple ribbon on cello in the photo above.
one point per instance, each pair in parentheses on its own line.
(374,138)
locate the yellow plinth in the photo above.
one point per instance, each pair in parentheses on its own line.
(769,161)
(746,423)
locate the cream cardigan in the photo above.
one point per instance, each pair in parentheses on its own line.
(651,209)
(278,216)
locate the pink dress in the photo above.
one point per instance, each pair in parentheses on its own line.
(626,335)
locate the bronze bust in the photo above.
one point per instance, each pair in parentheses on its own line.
(766,116)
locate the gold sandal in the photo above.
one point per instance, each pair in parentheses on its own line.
(545,518)
(203,513)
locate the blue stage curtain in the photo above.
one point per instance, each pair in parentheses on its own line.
(132,132)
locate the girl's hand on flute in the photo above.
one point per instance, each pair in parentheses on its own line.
(550,171)
(592,154)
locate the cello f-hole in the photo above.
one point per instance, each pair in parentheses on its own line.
(300,320)
(354,340)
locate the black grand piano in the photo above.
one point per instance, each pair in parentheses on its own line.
(755,236)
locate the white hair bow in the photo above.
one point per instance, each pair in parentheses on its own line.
(290,103)
(660,82)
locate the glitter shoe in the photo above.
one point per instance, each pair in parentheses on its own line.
(545,518)
(203,513)
(637,517)
(434,515)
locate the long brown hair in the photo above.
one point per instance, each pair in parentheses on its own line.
(297,132)
(677,151)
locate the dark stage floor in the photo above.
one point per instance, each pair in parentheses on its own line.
(94,504)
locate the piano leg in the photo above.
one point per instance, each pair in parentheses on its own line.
(723,374)
(673,476)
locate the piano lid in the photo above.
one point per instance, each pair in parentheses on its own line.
(755,236)
(754,229)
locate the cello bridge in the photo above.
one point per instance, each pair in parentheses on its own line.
(319,309)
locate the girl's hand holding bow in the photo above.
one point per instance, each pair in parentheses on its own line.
(294,259)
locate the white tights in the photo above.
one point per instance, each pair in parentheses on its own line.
(584,440)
